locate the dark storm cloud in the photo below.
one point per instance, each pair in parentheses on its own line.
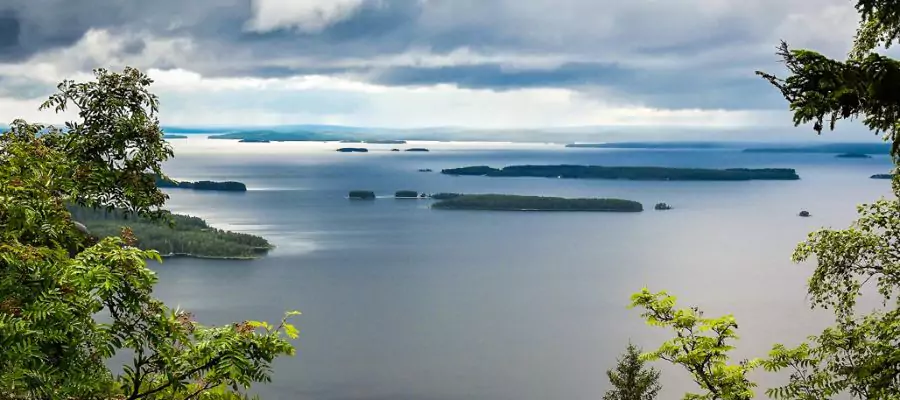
(505,78)
(647,51)
(134,46)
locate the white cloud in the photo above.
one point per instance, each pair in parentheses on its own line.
(305,15)
(828,29)
(188,98)
(288,101)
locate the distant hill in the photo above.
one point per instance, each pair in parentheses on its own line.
(275,136)
(661,145)
(829,148)
(623,136)
(627,173)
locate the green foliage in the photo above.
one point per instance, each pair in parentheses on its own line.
(632,379)
(630,173)
(701,346)
(184,235)
(504,202)
(822,90)
(866,85)
(54,280)
(859,355)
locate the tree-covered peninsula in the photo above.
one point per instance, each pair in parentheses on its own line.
(628,173)
(503,202)
(56,278)
(188,236)
(226,186)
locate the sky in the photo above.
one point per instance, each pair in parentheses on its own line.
(425,63)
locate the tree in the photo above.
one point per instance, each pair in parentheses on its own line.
(701,346)
(822,90)
(859,355)
(632,379)
(57,284)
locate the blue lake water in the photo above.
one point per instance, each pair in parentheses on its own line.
(403,302)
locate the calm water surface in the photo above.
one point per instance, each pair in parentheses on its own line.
(403,302)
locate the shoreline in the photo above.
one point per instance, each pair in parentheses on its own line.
(535,210)
(263,252)
(199,257)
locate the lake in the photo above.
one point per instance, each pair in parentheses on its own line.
(403,302)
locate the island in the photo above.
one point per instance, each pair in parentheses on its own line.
(882,176)
(361,195)
(628,173)
(502,202)
(353,150)
(852,155)
(425,170)
(395,149)
(252,140)
(174,137)
(406,194)
(662,207)
(227,186)
(187,237)
(832,148)
(418,149)
(804,213)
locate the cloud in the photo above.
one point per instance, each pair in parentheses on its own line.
(561,61)
(188,97)
(304,15)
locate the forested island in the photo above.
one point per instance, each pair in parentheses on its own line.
(227,186)
(352,150)
(417,149)
(834,148)
(361,195)
(189,237)
(882,176)
(502,202)
(252,140)
(852,155)
(174,137)
(628,173)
